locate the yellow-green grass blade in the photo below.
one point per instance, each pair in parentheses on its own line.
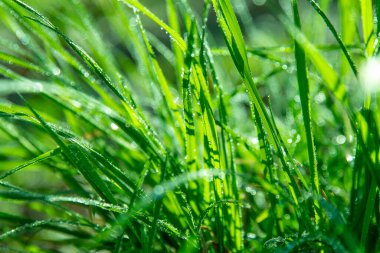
(367,26)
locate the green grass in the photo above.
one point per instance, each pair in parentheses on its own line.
(189,126)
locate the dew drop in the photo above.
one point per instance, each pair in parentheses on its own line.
(340,139)
(114,126)
(158,190)
(349,158)
(56,71)
(251,236)
(76,104)
(250,190)
(254,140)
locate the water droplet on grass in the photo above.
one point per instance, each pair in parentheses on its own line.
(56,71)
(158,190)
(76,104)
(251,236)
(250,190)
(340,139)
(114,126)
(349,158)
(254,140)
(320,97)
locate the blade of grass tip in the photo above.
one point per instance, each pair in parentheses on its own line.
(77,158)
(303,85)
(336,35)
(95,41)
(29,146)
(172,33)
(367,26)
(17,61)
(37,159)
(92,64)
(165,50)
(138,186)
(175,116)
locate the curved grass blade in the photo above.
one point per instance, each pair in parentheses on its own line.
(336,36)
(330,77)
(79,159)
(37,159)
(173,34)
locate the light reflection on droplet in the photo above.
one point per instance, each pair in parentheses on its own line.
(259,2)
(114,126)
(254,140)
(340,139)
(349,158)
(158,190)
(250,190)
(251,236)
(56,71)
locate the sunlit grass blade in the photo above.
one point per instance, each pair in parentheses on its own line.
(367,25)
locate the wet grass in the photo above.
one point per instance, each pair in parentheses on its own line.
(189,126)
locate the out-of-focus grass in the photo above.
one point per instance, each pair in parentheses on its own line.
(212,126)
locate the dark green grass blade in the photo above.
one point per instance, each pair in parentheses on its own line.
(303,84)
(80,160)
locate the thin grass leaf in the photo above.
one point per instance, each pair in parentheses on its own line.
(303,84)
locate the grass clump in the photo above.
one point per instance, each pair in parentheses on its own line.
(188,126)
